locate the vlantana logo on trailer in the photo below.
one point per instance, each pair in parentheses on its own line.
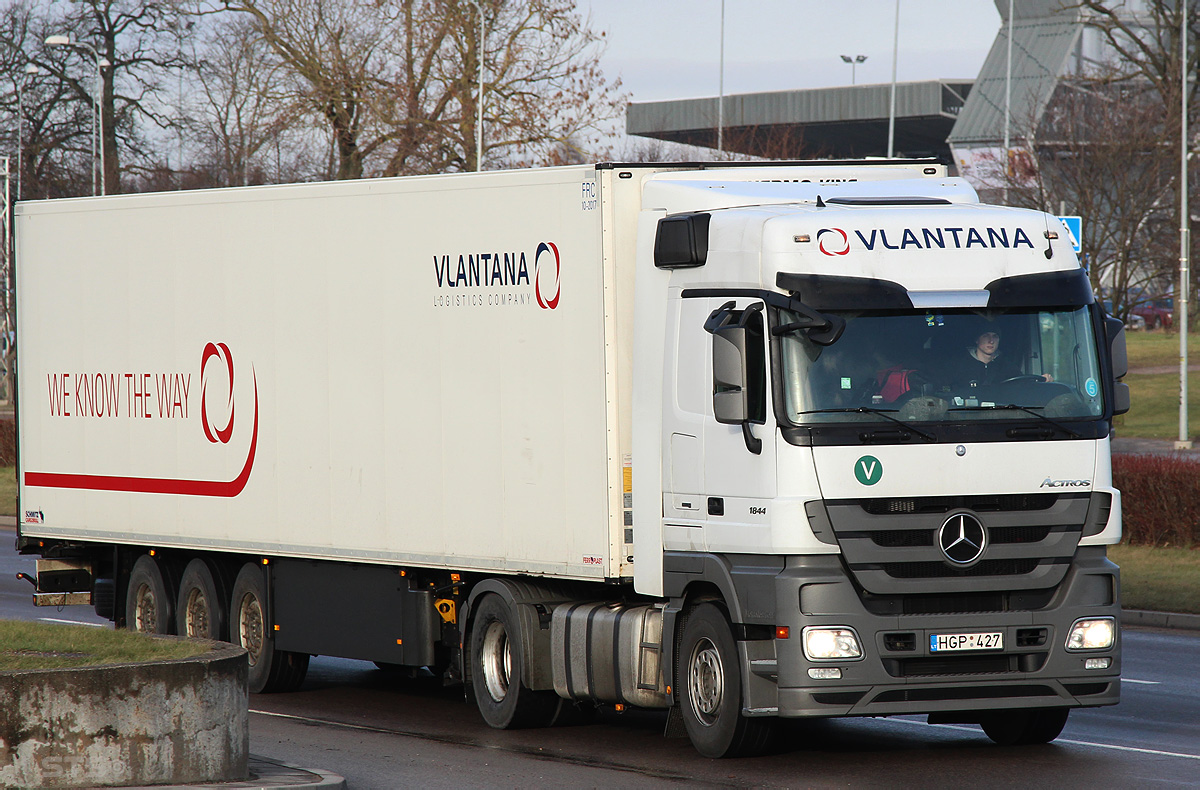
(499,279)
(159,397)
(836,241)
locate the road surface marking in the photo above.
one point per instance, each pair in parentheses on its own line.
(72,622)
(1112,746)
(1143,682)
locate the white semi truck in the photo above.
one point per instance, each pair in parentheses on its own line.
(719,439)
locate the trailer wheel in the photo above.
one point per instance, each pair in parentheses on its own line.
(147,602)
(497,661)
(270,669)
(200,608)
(710,686)
(1025,727)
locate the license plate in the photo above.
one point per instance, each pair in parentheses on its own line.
(946,643)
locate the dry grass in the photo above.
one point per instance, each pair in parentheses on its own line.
(1164,580)
(30,645)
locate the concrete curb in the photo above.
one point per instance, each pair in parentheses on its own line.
(1184,622)
(266,773)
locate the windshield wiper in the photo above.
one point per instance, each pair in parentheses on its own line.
(884,413)
(1027,410)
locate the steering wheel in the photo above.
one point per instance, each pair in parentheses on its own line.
(1024,377)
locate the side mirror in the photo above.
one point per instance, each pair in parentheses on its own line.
(731,397)
(738,367)
(1114,331)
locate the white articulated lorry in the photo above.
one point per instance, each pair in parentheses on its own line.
(744,442)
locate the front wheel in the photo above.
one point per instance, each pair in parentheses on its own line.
(270,669)
(710,685)
(497,663)
(1025,727)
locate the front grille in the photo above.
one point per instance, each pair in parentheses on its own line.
(961,603)
(838,697)
(890,545)
(939,570)
(924,537)
(899,643)
(938,694)
(1031,637)
(979,504)
(943,666)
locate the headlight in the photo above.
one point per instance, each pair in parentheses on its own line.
(1093,633)
(825,644)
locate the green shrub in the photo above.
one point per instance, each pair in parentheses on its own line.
(1160,499)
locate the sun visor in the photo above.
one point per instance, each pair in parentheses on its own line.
(1069,288)
(837,292)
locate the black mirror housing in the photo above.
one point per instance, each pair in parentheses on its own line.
(681,241)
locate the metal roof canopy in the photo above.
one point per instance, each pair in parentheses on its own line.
(1045,36)
(828,122)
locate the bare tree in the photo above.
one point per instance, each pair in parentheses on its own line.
(1099,147)
(396,81)
(1147,38)
(243,113)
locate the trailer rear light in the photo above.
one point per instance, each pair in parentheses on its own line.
(782,632)
(1092,633)
(831,644)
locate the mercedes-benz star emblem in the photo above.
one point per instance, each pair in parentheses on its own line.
(962,539)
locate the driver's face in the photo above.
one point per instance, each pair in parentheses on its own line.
(988,342)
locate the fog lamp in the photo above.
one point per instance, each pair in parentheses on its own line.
(1092,633)
(1098,663)
(825,673)
(824,644)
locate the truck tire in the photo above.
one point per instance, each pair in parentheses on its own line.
(271,670)
(200,607)
(497,661)
(1025,727)
(709,684)
(147,601)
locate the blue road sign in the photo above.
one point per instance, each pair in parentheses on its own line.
(1075,228)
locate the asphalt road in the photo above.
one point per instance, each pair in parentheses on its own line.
(379,730)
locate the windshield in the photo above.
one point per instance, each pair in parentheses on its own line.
(945,366)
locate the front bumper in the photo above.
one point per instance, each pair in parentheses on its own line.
(898,674)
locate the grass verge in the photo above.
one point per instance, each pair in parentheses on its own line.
(1163,580)
(1154,409)
(1153,349)
(8,491)
(29,645)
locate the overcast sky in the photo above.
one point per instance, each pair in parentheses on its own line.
(670,49)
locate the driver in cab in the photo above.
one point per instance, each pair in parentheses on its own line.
(982,364)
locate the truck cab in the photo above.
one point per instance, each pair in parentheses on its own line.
(891,519)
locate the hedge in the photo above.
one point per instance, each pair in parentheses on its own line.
(8,441)
(1160,499)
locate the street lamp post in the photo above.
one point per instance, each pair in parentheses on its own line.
(479,104)
(65,41)
(853,61)
(30,70)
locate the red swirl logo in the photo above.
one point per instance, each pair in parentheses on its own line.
(834,247)
(552,280)
(221,352)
